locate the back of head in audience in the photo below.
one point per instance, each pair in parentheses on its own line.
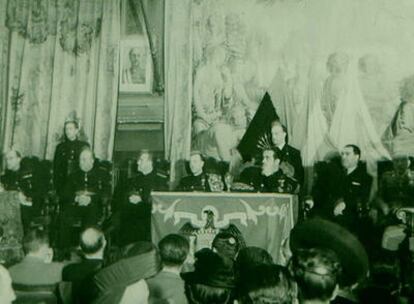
(36,243)
(226,245)
(173,250)
(212,281)
(248,257)
(320,233)
(267,284)
(92,241)
(7,294)
(316,272)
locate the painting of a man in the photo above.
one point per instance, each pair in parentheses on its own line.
(135,66)
(134,71)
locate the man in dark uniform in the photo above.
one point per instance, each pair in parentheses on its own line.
(198,179)
(135,211)
(66,158)
(22,177)
(396,188)
(342,192)
(85,191)
(272,178)
(290,159)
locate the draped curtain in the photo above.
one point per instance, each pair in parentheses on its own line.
(178,84)
(63,62)
(153,13)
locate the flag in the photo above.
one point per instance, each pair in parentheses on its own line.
(258,128)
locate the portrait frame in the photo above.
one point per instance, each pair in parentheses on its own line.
(135,80)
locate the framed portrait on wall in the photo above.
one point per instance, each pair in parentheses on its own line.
(136,66)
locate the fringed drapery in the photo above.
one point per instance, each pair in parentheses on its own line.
(63,58)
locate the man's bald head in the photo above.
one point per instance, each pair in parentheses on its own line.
(92,240)
(13,159)
(86,159)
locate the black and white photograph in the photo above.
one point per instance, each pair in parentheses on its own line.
(206,151)
(136,67)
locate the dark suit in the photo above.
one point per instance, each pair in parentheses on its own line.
(97,183)
(277,182)
(334,184)
(292,156)
(65,162)
(194,183)
(81,276)
(397,190)
(251,176)
(135,219)
(27,181)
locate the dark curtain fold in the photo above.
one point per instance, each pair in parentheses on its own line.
(153,15)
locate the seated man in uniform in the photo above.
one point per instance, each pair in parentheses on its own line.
(272,178)
(22,178)
(396,188)
(135,209)
(198,179)
(84,193)
(290,159)
(342,193)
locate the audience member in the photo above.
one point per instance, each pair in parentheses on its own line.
(247,259)
(290,159)
(124,281)
(37,267)
(167,285)
(66,158)
(326,235)
(21,177)
(92,245)
(268,284)
(135,211)
(212,280)
(7,295)
(85,191)
(227,245)
(316,272)
(198,179)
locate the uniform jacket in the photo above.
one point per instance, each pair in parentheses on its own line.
(65,162)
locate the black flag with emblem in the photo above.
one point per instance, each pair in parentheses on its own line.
(258,132)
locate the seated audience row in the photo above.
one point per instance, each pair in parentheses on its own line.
(326,266)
